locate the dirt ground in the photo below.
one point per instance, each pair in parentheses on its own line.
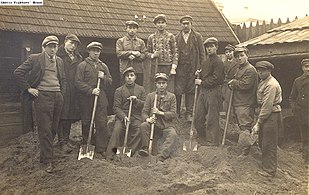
(210,170)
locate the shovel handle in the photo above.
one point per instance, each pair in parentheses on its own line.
(227,117)
(194,108)
(152,126)
(128,125)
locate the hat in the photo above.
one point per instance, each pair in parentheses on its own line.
(305,61)
(95,45)
(211,40)
(159,17)
(132,23)
(161,75)
(229,47)
(72,37)
(186,18)
(240,49)
(264,64)
(129,69)
(49,40)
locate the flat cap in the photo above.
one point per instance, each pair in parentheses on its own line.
(186,18)
(229,47)
(132,23)
(161,75)
(240,49)
(159,17)
(95,45)
(49,40)
(129,69)
(211,40)
(72,37)
(305,61)
(265,65)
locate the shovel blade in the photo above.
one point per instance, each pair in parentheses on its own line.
(189,146)
(86,151)
(247,139)
(124,150)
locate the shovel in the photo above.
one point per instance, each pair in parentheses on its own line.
(227,117)
(125,150)
(191,145)
(152,158)
(87,151)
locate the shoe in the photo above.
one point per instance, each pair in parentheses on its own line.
(49,168)
(100,155)
(65,148)
(160,159)
(266,174)
(143,152)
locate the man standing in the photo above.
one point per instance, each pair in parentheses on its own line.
(209,99)
(86,83)
(130,91)
(131,51)
(45,84)
(299,101)
(269,97)
(191,55)
(70,111)
(162,45)
(165,113)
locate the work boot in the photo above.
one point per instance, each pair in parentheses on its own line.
(160,158)
(66,149)
(49,168)
(143,152)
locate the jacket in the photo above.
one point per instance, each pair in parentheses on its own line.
(212,74)
(299,97)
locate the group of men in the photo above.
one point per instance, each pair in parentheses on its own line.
(63,87)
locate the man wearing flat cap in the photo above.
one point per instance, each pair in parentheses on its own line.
(86,79)
(209,98)
(131,51)
(130,91)
(70,111)
(269,97)
(162,48)
(244,85)
(165,113)
(191,55)
(42,78)
(299,101)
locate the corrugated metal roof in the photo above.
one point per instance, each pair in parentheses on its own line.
(106,18)
(296,31)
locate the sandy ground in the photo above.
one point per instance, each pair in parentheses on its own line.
(210,170)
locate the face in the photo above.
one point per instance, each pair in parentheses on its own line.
(131,30)
(242,57)
(130,78)
(263,73)
(305,68)
(51,49)
(229,54)
(186,26)
(70,45)
(211,49)
(161,25)
(161,85)
(94,53)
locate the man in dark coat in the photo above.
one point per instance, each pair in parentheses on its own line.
(86,83)
(191,55)
(136,93)
(46,85)
(70,111)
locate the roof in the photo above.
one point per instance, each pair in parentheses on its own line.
(106,18)
(296,31)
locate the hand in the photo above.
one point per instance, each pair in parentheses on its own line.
(136,53)
(197,72)
(151,120)
(198,81)
(131,57)
(33,92)
(157,111)
(173,71)
(126,120)
(132,98)
(255,129)
(101,74)
(156,54)
(96,91)
(232,83)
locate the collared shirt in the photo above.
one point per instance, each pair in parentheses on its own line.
(269,96)
(70,54)
(186,36)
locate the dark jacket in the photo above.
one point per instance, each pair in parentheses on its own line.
(121,102)
(30,73)
(212,74)
(299,97)
(70,109)
(230,68)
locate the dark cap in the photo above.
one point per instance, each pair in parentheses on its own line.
(132,23)
(49,40)
(229,47)
(240,49)
(211,40)
(265,65)
(161,75)
(95,45)
(305,62)
(72,37)
(159,17)
(129,69)
(186,18)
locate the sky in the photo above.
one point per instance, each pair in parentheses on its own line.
(265,9)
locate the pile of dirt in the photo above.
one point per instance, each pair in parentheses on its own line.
(210,170)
